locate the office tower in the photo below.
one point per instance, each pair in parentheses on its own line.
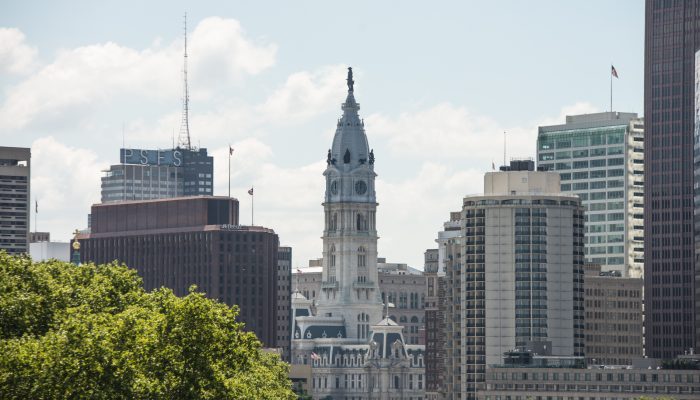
(514,276)
(15,169)
(355,350)
(613,316)
(188,241)
(284,299)
(158,174)
(600,158)
(672,35)
(434,325)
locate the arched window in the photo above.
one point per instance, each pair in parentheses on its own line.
(396,382)
(414,319)
(334,222)
(403,319)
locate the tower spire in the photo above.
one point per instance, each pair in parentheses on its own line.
(183,139)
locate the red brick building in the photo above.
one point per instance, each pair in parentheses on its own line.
(188,241)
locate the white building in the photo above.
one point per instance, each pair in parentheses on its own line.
(42,251)
(356,352)
(514,275)
(600,158)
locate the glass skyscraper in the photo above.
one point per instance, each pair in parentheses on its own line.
(600,158)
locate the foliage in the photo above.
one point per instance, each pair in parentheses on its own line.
(92,332)
(680,363)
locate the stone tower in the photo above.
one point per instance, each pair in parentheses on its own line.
(349,288)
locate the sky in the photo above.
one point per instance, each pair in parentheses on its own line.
(438,83)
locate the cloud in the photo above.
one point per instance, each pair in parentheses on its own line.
(16,57)
(222,52)
(449,131)
(65,182)
(304,94)
(81,79)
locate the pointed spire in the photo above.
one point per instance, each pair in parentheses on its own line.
(183,139)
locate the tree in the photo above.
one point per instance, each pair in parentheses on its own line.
(93,332)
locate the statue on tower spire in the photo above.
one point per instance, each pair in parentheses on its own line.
(351,83)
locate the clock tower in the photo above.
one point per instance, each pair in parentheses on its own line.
(349,286)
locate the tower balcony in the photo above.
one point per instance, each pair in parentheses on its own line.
(363,285)
(329,285)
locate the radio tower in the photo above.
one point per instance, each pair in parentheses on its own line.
(183,139)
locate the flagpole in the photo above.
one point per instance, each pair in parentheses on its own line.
(611,76)
(229,171)
(252,207)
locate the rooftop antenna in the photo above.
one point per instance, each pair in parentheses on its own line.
(504,148)
(183,139)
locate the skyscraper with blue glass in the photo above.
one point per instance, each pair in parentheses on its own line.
(600,158)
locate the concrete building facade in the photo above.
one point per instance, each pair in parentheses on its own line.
(514,275)
(188,241)
(284,300)
(614,331)
(530,377)
(600,158)
(402,285)
(158,174)
(15,191)
(434,326)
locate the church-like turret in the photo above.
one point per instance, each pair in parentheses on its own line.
(350,288)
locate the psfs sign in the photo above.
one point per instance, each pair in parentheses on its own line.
(151,157)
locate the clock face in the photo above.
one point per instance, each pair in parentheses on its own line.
(334,187)
(361,187)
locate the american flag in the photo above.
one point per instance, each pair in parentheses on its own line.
(299,271)
(613,71)
(315,356)
(250,192)
(230,150)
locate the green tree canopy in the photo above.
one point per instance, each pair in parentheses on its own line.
(92,332)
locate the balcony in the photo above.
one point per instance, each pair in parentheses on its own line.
(329,285)
(363,285)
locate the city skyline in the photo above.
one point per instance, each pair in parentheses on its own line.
(432,91)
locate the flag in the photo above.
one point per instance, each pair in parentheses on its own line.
(613,71)
(315,356)
(230,150)
(250,192)
(299,271)
(493,166)
(36,206)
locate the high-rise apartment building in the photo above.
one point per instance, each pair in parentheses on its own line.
(600,158)
(284,300)
(672,35)
(158,174)
(188,241)
(15,168)
(613,315)
(434,325)
(514,275)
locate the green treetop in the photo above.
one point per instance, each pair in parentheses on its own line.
(92,332)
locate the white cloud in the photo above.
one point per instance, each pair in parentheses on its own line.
(304,94)
(80,79)
(66,182)
(16,57)
(222,52)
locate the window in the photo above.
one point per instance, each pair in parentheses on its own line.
(597,163)
(546,156)
(600,173)
(580,153)
(616,161)
(361,257)
(598,185)
(580,164)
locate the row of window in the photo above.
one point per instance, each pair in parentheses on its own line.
(597,152)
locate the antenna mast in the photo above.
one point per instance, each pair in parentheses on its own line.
(183,139)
